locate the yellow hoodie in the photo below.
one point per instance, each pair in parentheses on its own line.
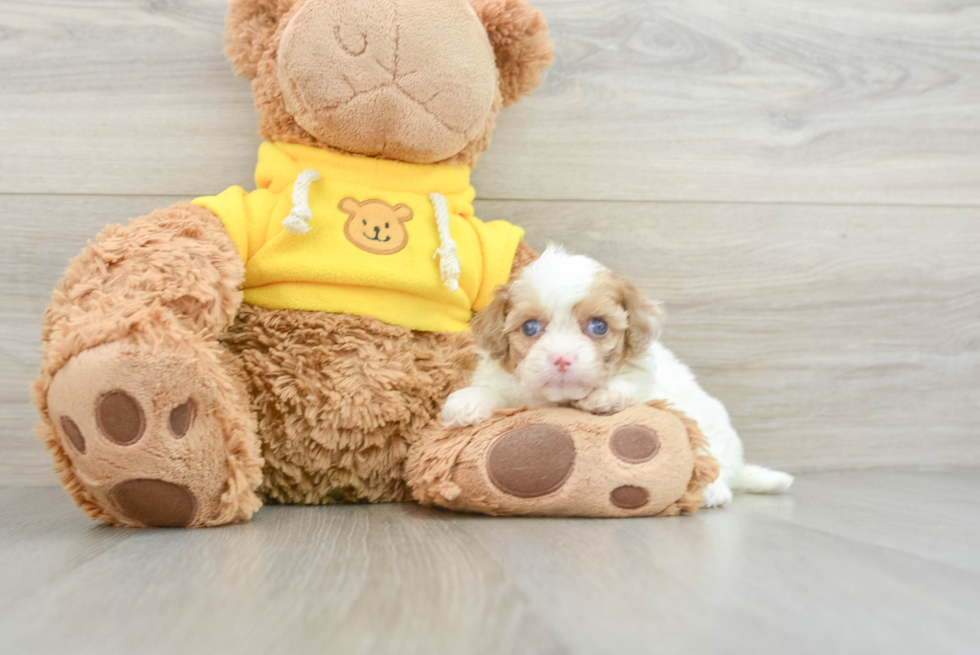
(372,244)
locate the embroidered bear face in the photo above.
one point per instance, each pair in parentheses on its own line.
(376,226)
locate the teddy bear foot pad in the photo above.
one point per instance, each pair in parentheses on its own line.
(640,462)
(144,433)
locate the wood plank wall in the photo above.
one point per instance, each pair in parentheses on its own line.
(799,181)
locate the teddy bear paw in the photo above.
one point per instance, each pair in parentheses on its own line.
(143,431)
(560,461)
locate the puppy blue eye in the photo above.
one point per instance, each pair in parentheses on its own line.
(530,328)
(386,225)
(598,327)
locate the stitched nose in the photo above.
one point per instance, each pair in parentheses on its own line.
(562,362)
(377,231)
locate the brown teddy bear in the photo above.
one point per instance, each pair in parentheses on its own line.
(290,344)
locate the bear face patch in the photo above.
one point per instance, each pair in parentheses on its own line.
(376,226)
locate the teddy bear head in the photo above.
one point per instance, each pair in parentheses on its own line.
(419,81)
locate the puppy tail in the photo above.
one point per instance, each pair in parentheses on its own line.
(756,479)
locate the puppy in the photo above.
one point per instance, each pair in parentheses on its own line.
(567,332)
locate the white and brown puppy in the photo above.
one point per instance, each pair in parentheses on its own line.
(569,332)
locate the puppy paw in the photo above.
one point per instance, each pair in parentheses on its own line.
(466,407)
(717,494)
(607,400)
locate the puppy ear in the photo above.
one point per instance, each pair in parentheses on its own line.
(249,28)
(524,256)
(519,35)
(489,325)
(644,318)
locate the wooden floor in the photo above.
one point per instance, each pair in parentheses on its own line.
(851,562)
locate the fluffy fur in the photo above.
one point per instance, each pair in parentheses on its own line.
(519,36)
(165,284)
(340,399)
(448,466)
(569,363)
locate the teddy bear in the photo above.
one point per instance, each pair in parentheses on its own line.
(293,343)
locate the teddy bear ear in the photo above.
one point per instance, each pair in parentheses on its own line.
(349,206)
(403,213)
(249,28)
(519,35)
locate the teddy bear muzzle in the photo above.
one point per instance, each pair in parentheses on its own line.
(408,80)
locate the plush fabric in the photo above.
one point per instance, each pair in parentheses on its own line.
(566,462)
(340,398)
(341,264)
(140,310)
(516,32)
(348,79)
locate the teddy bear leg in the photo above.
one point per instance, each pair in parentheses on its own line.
(646,460)
(146,414)
(158,433)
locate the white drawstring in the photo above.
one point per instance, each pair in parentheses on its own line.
(448,259)
(298,221)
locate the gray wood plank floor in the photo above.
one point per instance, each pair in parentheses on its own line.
(871,562)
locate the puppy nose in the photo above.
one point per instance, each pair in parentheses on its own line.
(562,362)
(376,230)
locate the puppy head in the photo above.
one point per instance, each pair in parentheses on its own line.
(566,326)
